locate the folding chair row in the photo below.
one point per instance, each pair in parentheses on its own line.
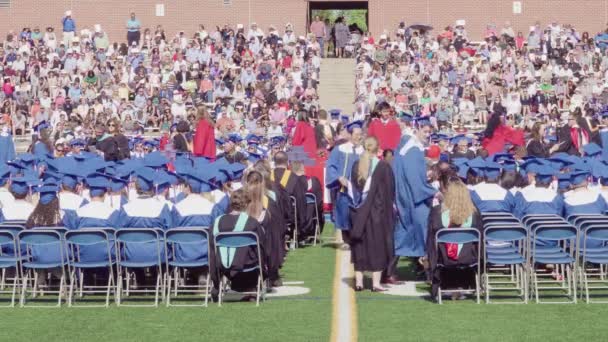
(37,252)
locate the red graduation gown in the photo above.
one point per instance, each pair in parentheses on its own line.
(304,135)
(503,135)
(204,140)
(388,134)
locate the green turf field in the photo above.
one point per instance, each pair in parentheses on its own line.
(392,318)
(300,318)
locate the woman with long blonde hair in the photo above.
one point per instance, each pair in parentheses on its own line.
(457,210)
(264,208)
(372,218)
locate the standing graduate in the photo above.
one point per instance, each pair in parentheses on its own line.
(7,146)
(386,129)
(339,166)
(372,218)
(304,135)
(414,195)
(287,180)
(204,137)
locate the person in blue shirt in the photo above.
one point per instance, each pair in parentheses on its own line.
(69,28)
(489,196)
(133,30)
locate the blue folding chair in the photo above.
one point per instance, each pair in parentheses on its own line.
(186,237)
(41,250)
(311,199)
(89,249)
(226,246)
(128,241)
(563,254)
(460,236)
(513,255)
(593,278)
(9,259)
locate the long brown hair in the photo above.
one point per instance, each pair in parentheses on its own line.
(536,133)
(255,187)
(457,199)
(203,114)
(370,144)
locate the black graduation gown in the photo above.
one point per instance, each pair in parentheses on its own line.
(371,235)
(297,189)
(450,277)
(243,259)
(275,228)
(316,189)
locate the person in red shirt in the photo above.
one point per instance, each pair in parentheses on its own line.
(497,135)
(304,135)
(204,138)
(386,129)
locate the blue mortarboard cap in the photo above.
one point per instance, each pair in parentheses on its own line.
(580,165)
(145,178)
(199,180)
(531,165)
(98,184)
(509,165)
(164,179)
(544,173)
(578,177)
(406,117)
(155,160)
(219,141)
(200,162)
(345,119)
(334,113)
(355,124)
(500,157)
(254,157)
(235,138)
(116,183)
(458,138)
(491,170)
(563,181)
(78,142)
(422,121)
(277,140)
(560,161)
(41,125)
(48,192)
(19,185)
(592,149)
(151,143)
(442,137)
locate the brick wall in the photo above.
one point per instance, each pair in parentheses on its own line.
(587,15)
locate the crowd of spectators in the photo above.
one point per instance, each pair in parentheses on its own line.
(250,79)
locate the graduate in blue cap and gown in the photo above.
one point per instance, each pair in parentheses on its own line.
(42,146)
(580,199)
(539,198)
(20,208)
(69,199)
(489,196)
(414,195)
(144,211)
(338,173)
(6,196)
(7,145)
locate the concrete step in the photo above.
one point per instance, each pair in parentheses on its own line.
(336,88)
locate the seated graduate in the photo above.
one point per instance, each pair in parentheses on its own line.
(6,197)
(580,199)
(313,186)
(287,180)
(20,208)
(97,213)
(232,265)
(539,198)
(144,211)
(267,211)
(69,199)
(116,196)
(372,217)
(163,184)
(456,211)
(231,154)
(461,148)
(489,196)
(197,209)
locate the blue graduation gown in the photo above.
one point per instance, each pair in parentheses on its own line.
(538,201)
(194,211)
(93,215)
(489,197)
(413,198)
(7,148)
(340,164)
(144,213)
(69,201)
(604,138)
(585,201)
(221,200)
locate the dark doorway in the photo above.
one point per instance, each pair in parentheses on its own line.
(354,11)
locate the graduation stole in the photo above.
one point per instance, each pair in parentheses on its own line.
(284,179)
(368,181)
(453,249)
(227,253)
(269,194)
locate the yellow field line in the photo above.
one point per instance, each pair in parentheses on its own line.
(343,304)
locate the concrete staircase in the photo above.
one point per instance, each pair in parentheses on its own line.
(337,87)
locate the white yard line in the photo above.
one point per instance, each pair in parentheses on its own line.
(344,325)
